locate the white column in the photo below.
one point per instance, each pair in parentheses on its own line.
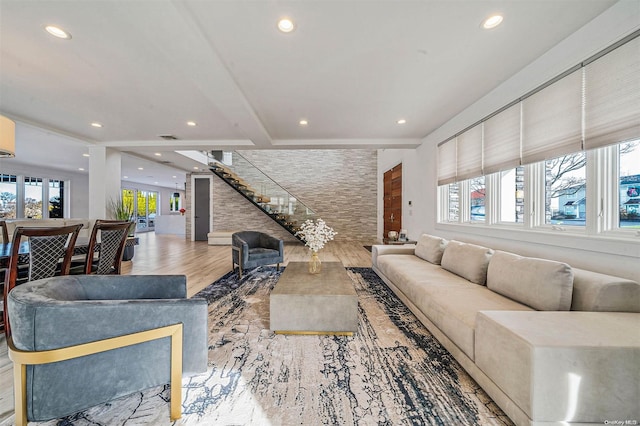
(104,179)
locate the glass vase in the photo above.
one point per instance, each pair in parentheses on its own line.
(314,263)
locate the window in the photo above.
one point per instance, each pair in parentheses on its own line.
(8,196)
(144,208)
(535,150)
(477,192)
(56,198)
(174,202)
(512,195)
(565,190)
(32,198)
(453,202)
(629,183)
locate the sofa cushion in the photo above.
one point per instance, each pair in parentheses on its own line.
(467,260)
(430,248)
(604,293)
(543,284)
(454,311)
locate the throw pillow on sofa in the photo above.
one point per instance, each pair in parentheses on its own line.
(542,284)
(467,260)
(430,248)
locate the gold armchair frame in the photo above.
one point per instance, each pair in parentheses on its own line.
(23,358)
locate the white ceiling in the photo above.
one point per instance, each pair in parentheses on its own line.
(352,68)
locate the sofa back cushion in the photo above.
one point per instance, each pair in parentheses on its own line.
(430,248)
(542,284)
(467,260)
(604,293)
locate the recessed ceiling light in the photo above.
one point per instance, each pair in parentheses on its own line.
(303,122)
(85,155)
(140,168)
(401,121)
(173,177)
(81,169)
(157,154)
(96,124)
(125,177)
(155,183)
(492,22)
(191,123)
(286,25)
(58,32)
(196,168)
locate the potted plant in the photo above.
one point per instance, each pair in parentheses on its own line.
(120,210)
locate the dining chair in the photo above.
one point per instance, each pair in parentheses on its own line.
(5,232)
(46,247)
(104,252)
(5,240)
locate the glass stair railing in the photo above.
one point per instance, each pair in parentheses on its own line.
(262,191)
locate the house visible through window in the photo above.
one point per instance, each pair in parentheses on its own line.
(629,178)
(477,193)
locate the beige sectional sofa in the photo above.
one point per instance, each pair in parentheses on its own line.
(551,344)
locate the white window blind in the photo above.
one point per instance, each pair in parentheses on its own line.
(470,153)
(612,97)
(502,140)
(552,120)
(447,162)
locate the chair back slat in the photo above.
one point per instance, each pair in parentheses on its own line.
(113,237)
(47,245)
(45,252)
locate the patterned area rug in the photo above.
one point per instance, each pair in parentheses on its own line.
(391,372)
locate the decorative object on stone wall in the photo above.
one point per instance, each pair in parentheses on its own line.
(315,235)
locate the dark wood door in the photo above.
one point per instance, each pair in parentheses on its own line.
(393,200)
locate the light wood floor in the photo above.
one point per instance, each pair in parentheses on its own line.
(201,263)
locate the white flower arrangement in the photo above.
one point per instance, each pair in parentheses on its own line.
(315,234)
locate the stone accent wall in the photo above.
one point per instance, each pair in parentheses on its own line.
(233,212)
(339,185)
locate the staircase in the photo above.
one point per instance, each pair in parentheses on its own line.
(263,192)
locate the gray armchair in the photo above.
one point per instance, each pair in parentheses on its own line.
(66,311)
(253,248)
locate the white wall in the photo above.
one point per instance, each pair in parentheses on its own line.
(613,256)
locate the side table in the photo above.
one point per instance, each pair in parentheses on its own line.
(397,242)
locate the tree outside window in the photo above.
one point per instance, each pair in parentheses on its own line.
(454,202)
(8,196)
(32,198)
(565,190)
